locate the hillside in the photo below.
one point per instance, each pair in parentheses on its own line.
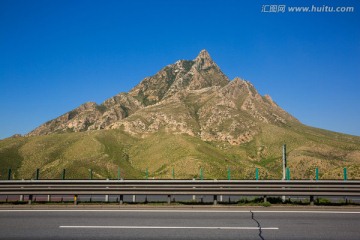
(187,116)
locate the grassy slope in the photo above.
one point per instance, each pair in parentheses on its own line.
(105,151)
(10,156)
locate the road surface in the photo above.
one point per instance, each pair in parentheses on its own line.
(179,223)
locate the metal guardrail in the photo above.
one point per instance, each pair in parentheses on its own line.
(180,187)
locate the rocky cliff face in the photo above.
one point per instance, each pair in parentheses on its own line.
(90,116)
(192,97)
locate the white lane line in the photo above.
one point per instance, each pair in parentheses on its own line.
(326,212)
(123,210)
(175,211)
(170,227)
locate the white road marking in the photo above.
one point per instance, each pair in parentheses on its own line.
(293,211)
(123,210)
(177,211)
(171,227)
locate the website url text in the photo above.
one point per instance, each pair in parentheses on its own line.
(308,9)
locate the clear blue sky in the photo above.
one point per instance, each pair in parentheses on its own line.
(56,55)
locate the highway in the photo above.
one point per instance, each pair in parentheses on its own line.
(179,223)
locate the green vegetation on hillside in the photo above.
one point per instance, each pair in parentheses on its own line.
(105,151)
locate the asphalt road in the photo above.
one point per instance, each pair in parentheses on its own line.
(201,223)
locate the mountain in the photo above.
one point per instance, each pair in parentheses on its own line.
(187,116)
(192,97)
(200,73)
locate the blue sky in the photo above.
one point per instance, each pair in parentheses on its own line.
(56,55)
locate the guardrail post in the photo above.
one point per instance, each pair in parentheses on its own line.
(107,196)
(30,199)
(311,200)
(257,174)
(37,174)
(316,174)
(9,174)
(21,199)
(121,200)
(193,196)
(215,199)
(75,199)
(63,174)
(229,174)
(345,174)
(221,196)
(134,199)
(168,199)
(265,199)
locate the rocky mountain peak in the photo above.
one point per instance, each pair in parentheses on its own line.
(204,61)
(188,96)
(203,55)
(183,75)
